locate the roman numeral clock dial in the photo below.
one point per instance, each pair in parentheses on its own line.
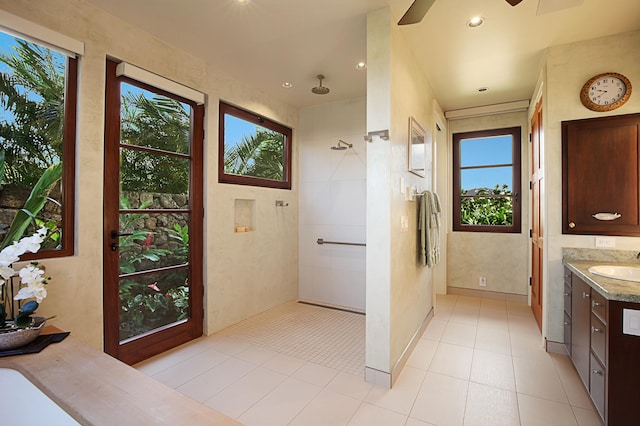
(605,92)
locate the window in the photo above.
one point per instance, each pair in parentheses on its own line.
(486,181)
(38,92)
(253,150)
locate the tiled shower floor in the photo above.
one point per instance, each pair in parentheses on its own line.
(479,362)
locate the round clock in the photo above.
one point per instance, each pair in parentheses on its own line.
(605,92)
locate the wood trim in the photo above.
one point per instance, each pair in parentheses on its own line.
(141,347)
(225,108)
(111,302)
(68,168)
(516,134)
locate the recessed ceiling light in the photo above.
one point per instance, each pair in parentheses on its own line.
(242,2)
(361,66)
(287,85)
(475,22)
(483,89)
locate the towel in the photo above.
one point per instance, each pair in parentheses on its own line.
(428,227)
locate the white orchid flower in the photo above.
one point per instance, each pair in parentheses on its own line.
(30,273)
(34,289)
(6,272)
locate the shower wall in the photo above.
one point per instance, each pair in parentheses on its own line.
(332,203)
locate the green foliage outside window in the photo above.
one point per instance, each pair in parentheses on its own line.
(487,207)
(259,155)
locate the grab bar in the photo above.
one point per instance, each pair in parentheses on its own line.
(321,241)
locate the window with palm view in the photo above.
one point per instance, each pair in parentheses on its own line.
(254,150)
(38,91)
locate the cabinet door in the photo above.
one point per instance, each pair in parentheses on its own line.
(600,165)
(581,327)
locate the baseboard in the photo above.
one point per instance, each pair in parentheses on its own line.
(386,380)
(555,347)
(496,295)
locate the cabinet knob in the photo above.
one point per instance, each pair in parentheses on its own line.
(567,294)
(598,372)
(595,330)
(572,225)
(566,323)
(594,304)
(585,295)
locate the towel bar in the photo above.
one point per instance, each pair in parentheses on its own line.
(321,241)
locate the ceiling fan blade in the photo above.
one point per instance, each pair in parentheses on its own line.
(514,2)
(416,12)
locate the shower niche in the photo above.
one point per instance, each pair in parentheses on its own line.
(244,217)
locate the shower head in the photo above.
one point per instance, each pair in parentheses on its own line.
(320,90)
(339,147)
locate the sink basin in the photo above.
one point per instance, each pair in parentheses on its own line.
(627,273)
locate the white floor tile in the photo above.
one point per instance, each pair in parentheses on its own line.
(400,398)
(460,334)
(541,412)
(350,385)
(441,400)
(281,405)
(422,354)
(491,406)
(216,379)
(493,369)
(435,329)
(190,368)
(284,364)
(371,415)
(452,360)
(328,408)
(315,374)
(538,377)
(246,392)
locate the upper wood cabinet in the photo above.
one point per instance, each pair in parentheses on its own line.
(601,174)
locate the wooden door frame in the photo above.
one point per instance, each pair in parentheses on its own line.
(537,232)
(171,335)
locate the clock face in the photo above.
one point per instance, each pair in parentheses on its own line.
(607,90)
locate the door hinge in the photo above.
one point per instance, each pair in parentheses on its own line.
(530,233)
(530,185)
(529,137)
(530,281)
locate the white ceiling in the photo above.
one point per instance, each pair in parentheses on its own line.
(268,42)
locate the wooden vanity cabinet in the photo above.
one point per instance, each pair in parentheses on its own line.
(607,360)
(600,174)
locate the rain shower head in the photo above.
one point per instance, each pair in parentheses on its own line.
(320,90)
(339,147)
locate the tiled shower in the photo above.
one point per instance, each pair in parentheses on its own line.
(332,203)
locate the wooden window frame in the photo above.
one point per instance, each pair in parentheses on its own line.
(516,164)
(256,119)
(68,168)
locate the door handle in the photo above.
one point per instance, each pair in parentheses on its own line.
(114,246)
(116,234)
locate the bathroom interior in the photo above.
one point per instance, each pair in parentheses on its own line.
(345,234)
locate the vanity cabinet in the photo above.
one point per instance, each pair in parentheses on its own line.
(607,359)
(600,176)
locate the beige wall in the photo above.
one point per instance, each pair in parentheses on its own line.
(568,67)
(244,273)
(399,289)
(501,258)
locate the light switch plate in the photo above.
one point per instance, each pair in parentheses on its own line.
(608,242)
(631,322)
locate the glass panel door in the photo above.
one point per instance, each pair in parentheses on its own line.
(153,250)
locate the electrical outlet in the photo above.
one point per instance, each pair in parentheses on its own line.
(482,281)
(608,242)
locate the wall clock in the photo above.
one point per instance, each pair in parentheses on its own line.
(605,92)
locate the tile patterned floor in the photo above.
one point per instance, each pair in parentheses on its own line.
(479,362)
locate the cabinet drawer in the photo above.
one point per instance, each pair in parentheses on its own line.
(567,276)
(598,339)
(567,333)
(599,306)
(597,384)
(567,298)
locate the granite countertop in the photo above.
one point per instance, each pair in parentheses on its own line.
(609,288)
(96,389)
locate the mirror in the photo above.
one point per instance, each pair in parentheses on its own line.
(417,148)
